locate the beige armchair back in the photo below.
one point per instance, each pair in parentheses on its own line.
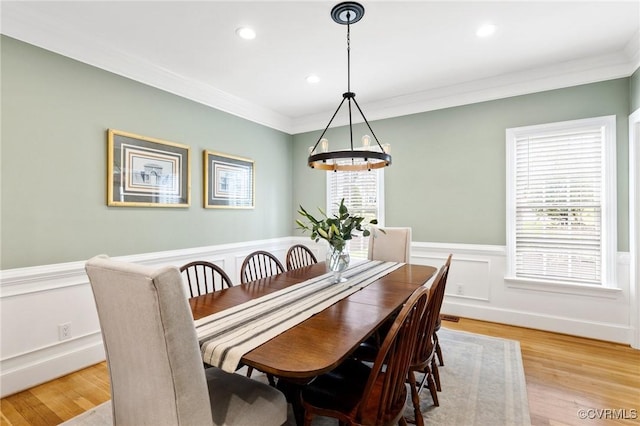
(154,360)
(392,245)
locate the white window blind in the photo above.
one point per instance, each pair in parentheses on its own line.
(559,201)
(363,196)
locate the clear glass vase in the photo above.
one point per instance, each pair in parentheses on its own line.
(338,261)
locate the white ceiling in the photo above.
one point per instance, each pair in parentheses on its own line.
(406,57)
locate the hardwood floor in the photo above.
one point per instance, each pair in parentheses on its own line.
(59,400)
(564,374)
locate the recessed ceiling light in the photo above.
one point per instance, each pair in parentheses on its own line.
(486,30)
(313,79)
(246,33)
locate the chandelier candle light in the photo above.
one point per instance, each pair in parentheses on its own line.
(366,157)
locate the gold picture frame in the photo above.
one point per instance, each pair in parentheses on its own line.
(147,172)
(229,181)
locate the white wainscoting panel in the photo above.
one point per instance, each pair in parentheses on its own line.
(35,300)
(594,313)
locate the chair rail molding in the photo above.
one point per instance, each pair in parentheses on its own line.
(477,288)
(32,353)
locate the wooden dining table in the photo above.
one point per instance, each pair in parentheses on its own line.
(320,343)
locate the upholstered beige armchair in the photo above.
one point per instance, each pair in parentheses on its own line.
(155,366)
(392,245)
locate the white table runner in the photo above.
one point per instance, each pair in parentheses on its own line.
(227,335)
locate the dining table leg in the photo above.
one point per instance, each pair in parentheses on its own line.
(292,391)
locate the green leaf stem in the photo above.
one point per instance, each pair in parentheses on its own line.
(336,230)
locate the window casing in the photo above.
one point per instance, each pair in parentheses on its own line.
(561,202)
(363,194)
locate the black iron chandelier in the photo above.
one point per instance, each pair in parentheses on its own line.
(365,157)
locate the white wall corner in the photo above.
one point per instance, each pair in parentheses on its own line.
(634,226)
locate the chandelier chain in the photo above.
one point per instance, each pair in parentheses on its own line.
(349,76)
(348,51)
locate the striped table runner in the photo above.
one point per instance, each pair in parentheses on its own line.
(227,335)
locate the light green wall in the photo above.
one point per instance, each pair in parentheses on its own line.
(448,181)
(55,114)
(634,89)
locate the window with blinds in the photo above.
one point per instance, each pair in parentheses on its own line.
(560,201)
(363,194)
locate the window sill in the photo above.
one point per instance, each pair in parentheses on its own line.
(564,288)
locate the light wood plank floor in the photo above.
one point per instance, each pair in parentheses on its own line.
(564,374)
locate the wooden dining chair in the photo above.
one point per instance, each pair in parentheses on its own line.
(298,256)
(355,393)
(204,277)
(424,356)
(390,244)
(259,264)
(438,324)
(154,360)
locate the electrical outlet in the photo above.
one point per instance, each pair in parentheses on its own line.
(460,289)
(64,331)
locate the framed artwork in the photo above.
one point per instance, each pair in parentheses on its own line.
(147,172)
(229,181)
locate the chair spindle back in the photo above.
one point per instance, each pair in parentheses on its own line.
(299,256)
(259,264)
(385,394)
(204,277)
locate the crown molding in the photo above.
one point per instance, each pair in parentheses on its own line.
(632,50)
(33,29)
(567,74)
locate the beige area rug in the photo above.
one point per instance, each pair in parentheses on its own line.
(482,384)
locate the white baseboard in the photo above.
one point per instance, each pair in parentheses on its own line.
(593,330)
(24,291)
(33,368)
